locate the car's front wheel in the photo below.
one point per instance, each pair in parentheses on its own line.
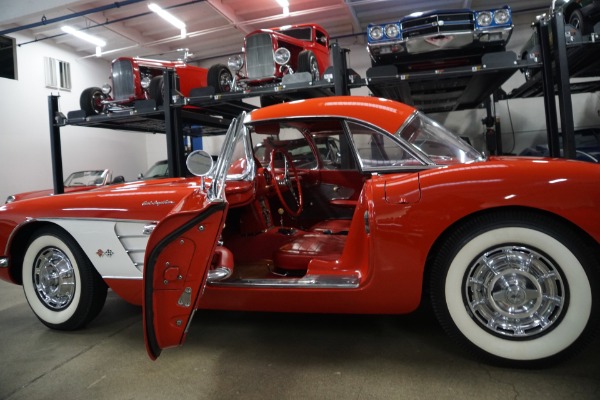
(516,287)
(61,286)
(307,62)
(220,78)
(90,101)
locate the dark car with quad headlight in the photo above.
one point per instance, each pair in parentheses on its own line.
(136,79)
(270,54)
(440,38)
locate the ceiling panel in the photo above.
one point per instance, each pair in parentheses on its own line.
(216,28)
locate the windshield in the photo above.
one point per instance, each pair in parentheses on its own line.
(437,143)
(158,170)
(299,33)
(86,178)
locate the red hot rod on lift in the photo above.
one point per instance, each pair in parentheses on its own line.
(330,205)
(135,79)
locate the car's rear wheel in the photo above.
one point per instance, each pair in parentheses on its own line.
(61,286)
(516,288)
(220,78)
(90,101)
(307,62)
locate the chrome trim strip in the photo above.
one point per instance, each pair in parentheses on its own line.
(3,262)
(306,282)
(124,278)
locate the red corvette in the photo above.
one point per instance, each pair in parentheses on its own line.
(330,205)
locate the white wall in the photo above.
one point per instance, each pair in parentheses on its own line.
(25,158)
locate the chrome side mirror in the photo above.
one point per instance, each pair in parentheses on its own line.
(199,163)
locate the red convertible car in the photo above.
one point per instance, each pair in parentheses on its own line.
(76,182)
(505,248)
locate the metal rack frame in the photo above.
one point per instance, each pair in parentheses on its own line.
(482,87)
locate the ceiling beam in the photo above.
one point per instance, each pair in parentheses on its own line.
(229,14)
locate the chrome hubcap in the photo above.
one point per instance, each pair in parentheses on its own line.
(515,291)
(54,278)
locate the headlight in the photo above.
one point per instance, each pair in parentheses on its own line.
(235,63)
(501,17)
(106,88)
(392,31)
(376,32)
(146,81)
(282,56)
(484,18)
(10,199)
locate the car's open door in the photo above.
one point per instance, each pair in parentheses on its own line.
(178,254)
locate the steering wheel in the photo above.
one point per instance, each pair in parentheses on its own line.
(289,174)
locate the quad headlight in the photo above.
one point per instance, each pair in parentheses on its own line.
(392,31)
(501,17)
(484,18)
(376,32)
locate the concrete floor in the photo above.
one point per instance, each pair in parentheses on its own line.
(232,355)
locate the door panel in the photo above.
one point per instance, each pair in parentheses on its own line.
(178,254)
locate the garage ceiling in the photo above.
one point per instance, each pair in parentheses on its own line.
(216,28)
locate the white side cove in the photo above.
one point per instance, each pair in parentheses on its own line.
(115,248)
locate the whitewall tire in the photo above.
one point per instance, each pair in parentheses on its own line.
(516,288)
(61,286)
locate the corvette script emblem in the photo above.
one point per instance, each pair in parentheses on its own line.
(157,203)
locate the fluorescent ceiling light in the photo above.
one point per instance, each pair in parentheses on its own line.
(285,4)
(84,36)
(170,18)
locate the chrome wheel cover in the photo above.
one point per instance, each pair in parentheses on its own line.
(54,278)
(515,292)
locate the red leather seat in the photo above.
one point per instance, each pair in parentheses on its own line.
(296,254)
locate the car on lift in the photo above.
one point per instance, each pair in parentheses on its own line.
(270,54)
(76,182)
(581,17)
(409,213)
(439,39)
(136,79)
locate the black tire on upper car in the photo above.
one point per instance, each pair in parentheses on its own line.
(307,62)
(90,101)
(220,77)
(156,90)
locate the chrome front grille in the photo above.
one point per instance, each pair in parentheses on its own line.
(122,80)
(259,56)
(440,23)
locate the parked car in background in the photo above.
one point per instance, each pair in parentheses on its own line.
(505,252)
(587,146)
(440,38)
(159,169)
(134,79)
(76,182)
(270,54)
